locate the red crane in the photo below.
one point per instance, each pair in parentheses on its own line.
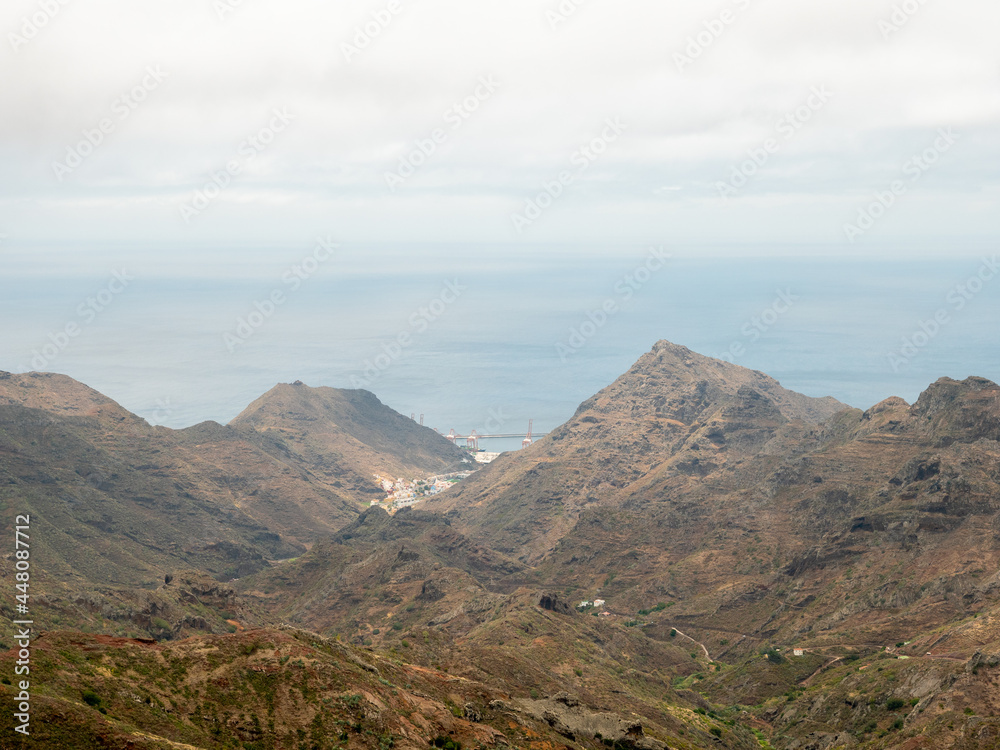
(527,440)
(472,441)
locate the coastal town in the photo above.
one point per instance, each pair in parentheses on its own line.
(403,493)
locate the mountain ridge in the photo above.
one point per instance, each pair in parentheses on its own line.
(119,504)
(772,569)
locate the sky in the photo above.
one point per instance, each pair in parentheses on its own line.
(191,136)
(167,167)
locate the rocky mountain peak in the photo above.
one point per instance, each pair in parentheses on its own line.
(63,396)
(331,429)
(674,382)
(960,411)
(945,393)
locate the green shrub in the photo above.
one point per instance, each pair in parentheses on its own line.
(91,698)
(894,704)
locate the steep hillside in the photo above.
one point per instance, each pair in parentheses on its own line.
(773,571)
(673,412)
(702,500)
(116,504)
(280,689)
(888,527)
(343,437)
(412,587)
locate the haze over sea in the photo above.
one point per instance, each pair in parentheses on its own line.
(499,341)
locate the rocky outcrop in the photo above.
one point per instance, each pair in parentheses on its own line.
(554,603)
(566,715)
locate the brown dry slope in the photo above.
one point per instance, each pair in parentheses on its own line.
(411,586)
(116,503)
(704,486)
(343,437)
(715,512)
(279,689)
(668,413)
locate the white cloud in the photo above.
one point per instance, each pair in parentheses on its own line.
(354,121)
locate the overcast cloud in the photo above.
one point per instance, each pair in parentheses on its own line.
(214,72)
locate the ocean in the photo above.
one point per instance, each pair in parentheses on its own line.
(487,342)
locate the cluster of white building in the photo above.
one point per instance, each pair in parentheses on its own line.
(402,493)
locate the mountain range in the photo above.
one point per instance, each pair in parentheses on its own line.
(698,558)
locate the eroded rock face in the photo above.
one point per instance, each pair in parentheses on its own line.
(980,660)
(431,591)
(553,603)
(960,411)
(566,715)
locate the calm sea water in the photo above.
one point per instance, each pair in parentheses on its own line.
(488,344)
